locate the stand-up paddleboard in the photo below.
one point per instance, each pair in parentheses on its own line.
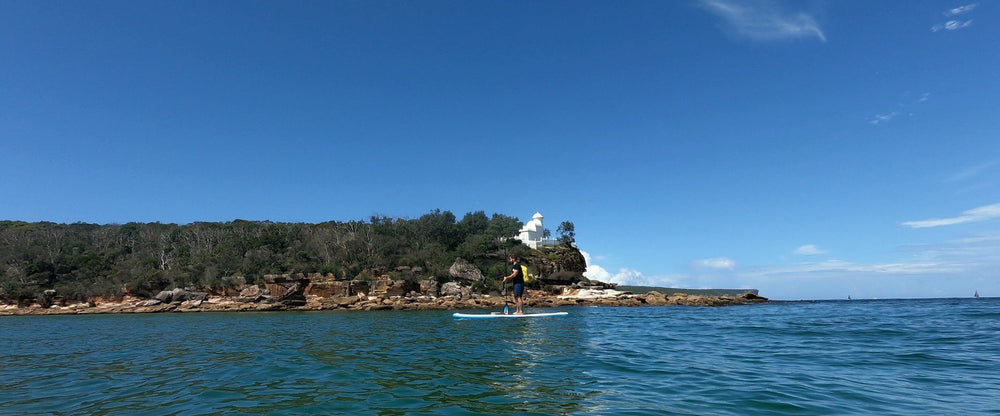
(500,315)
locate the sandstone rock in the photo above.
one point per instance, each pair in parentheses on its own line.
(293,296)
(345,301)
(251,294)
(429,287)
(655,298)
(387,286)
(165,296)
(329,288)
(196,296)
(279,284)
(466,271)
(451,289)
(753,297)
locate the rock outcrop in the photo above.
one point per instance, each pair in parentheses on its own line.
(461,269)
(559,264)
(453,296)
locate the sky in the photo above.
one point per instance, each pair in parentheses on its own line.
(809,149)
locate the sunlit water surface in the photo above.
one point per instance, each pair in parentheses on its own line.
(888,357)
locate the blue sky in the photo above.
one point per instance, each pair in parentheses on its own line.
(810,149)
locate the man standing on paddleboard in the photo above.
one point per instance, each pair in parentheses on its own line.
(517,276)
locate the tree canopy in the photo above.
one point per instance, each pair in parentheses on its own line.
(83,260)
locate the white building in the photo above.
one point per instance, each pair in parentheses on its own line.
(533,233)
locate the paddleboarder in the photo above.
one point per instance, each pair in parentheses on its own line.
(516,276)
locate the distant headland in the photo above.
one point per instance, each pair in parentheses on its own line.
(319,293)
(432,262)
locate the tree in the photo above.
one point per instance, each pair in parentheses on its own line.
(567,233)
(80,260)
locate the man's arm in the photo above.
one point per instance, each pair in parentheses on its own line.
(512,274)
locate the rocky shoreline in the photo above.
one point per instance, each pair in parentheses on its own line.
(254,299)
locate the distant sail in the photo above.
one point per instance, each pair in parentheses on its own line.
(976,295)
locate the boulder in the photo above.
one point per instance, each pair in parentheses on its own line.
(452,289)
(196,296)
(251,294)
(655,298)
(463,270)
(279,284)
(179,295)
(429,287)
(329,288)
(165,296)
(293,296)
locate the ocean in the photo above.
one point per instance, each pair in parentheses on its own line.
(884,357)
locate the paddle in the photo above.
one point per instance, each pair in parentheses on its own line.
(506,303)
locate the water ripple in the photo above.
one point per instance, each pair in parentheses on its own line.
(860,357)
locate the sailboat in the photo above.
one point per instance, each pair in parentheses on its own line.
(976,295)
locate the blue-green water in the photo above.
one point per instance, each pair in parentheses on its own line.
(899,357)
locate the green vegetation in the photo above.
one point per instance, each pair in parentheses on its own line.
(567,232)
(86,260)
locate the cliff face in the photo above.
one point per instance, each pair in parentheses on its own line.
(560,264)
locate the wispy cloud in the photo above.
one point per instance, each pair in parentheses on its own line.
(822,269)
(971,172)
(954,24)
(948,268)
(882,118)
(905,104)
(961,9)
(716,263)
(970,252)
(809,250)
(764,20)
(951,25)
(973,215)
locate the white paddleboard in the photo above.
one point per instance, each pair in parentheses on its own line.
(500,315)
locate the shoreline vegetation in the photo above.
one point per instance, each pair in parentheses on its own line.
(433,262)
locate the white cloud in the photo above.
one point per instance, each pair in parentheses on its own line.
(951,25)
(971,172)
(809,250)
(973,215)
(908,102)
(940,269)
(716,263)
(624,276)
(595,272)
(882,118)
(628,277)
(837,267)
(961,9)
(763,20)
